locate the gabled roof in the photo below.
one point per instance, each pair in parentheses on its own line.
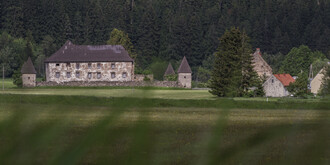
(285,79)
(184,67)
(28,67)
(169,70)
(88,53)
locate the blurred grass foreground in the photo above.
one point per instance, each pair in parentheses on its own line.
(49,129)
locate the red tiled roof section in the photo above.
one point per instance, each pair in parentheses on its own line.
(285,79)
(88,53)
(184,67)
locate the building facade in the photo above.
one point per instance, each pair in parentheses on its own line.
(276,85)
(28,74)
(260,65)
(89,63)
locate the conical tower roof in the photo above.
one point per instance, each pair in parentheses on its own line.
(184,67)
(169,70)
(28,67)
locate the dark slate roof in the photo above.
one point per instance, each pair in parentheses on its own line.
(169,70)
(87,53)
(184,67)
(28,67)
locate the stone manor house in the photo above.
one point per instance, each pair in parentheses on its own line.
(89,63)
(103,65)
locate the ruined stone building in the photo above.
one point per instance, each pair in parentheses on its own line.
(89,63)
(184,74)
(28,74)
(316,83)
(260,65)
(276,85)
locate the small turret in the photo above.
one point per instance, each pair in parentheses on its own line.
(184,74)
(28,74)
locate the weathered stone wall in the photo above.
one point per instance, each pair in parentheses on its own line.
(140,77)
(261,66)
(184,80)
(274,88)
(99,71)
(29,80)
(105,83)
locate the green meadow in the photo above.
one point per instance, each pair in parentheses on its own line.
(159,126)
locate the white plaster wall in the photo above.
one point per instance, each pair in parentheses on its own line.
(29,80)
(275,89)
(105,70)
(184,79)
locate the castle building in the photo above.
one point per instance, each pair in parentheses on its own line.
(28,74)
(184,74)
(89,63)
(260,65)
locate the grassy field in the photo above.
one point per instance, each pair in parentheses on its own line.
(159,126)
(94,130)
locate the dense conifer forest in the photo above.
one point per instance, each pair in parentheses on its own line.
(168,30)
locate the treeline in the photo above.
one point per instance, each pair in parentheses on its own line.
(168,30)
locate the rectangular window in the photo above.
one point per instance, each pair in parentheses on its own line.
(124,75)
(89,75)
(98,66)
(28,78)
(113,75)
(98,75)
(67,64)
(77,74)
(77,65)
(57,75)
(68,74)
(89,65)
(57,64)
(113,66)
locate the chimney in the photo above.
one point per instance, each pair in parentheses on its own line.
(258,51)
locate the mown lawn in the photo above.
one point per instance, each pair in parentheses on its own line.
(94,130)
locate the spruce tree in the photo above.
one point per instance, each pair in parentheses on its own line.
(225,77)
(233,74)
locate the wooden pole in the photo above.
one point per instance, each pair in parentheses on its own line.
(3,77)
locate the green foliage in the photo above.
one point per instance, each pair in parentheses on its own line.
(300,59)
(17,78)
(233,74)
(158,69)
(203,75)
(300,87)
(274,60)
(171,77)
(118,37)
